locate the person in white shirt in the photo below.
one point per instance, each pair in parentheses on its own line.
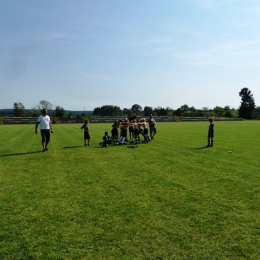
(46,128)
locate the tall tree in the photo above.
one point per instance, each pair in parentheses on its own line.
(97,111)
(169,111)
(193,109)
(137,109)
(117,111)
(44,104)
(227,108)
(178,112)
(19,109)
(219,110)
(107,110)
(148,111)
(184,108)
(35,112)
(60,112)
(247,105)
(162,112)
(128,112)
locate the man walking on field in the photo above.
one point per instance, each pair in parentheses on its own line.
(46,128)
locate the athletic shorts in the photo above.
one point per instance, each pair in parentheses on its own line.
(114,132)
(211,134)
(46,134)
(123,133)
(86,135)
(153,129)
(136,131)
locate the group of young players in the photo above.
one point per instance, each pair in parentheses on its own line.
(120,129)
(136,128)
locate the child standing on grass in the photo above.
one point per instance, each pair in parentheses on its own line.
(86,133)
(211,133)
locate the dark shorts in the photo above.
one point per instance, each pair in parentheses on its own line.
(145,132)
(114,132)
(211,134)
(46,135)
(136,131)
(86,135)
(123,133)
(153,129)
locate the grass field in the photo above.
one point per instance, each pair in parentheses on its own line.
(169,199)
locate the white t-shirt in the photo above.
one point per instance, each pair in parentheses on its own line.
(44,122)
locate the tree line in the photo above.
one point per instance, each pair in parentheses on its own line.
(20,111)
(184,110)
(246,110)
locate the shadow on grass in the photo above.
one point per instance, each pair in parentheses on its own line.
(110,146)
(71,147)
(15,154)
(203,147)
(104,147)
(127,144)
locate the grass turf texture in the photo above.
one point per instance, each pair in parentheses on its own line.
(169,199)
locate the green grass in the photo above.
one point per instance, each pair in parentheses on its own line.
(169,199)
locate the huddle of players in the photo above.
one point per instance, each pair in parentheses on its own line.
(135,127)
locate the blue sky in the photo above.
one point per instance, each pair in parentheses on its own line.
(84,54)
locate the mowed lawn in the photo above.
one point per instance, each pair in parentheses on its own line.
(169,199)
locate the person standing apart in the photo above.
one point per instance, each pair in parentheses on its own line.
(211,132)
(86,133)
(152,127)
(46,128)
